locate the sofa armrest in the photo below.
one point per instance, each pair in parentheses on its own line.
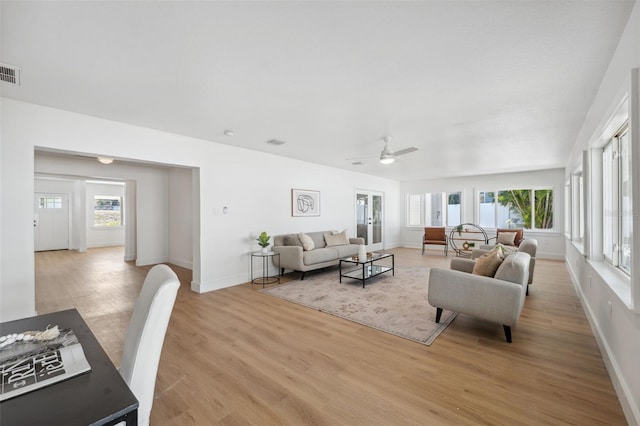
(290,257)
(462,264)
(359,241)
(484,297)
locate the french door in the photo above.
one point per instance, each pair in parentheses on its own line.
(369,218)
(51,222)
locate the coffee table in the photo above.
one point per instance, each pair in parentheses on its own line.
(366,267)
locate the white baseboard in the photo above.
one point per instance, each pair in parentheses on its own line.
(182,263)
(219,283)
(107,244)
(150,261)
(629,406)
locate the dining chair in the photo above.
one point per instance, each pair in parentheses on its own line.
(145,336)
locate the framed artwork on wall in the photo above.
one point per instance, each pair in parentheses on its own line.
(305,202)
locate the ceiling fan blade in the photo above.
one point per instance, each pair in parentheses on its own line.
(405,151)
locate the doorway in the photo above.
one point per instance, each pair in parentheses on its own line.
(51,222)
(369,218)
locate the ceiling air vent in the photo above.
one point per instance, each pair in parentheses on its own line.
(10,74)
(275,142)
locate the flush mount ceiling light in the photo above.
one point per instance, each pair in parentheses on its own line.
(229,133)
(275,142)
(105,160)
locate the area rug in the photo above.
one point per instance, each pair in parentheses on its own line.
(394,304)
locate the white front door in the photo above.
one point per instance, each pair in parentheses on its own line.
(369,218)
(51,222)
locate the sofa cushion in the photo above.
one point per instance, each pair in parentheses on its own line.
(506,238)
(318,239)
(346,250)
(291,240)
(339,239)
(307,242)
(488,263)
(319,255)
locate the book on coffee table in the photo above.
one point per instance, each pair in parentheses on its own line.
(30,364)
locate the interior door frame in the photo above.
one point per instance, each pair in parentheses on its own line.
(370,193)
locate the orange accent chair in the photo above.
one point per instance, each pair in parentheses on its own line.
(435,236)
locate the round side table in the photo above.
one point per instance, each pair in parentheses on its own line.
(265,278)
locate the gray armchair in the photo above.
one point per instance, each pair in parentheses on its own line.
(499,299)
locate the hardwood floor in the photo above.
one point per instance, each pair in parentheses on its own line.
(236,356)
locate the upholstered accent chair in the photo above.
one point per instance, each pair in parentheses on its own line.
(498,298)
(506,237)
(435,236)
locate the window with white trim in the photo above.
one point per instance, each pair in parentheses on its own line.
(617,212)
(516,208)
(107,211)
(434,209)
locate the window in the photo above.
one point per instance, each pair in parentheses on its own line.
(414,210)
(516,208)
(107,211)
(616,201)
(49,202)
(434,209)
(575,208)
(454,211)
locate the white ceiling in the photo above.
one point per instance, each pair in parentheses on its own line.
(478,86)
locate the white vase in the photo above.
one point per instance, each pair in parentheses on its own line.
(362,253)
(265,249)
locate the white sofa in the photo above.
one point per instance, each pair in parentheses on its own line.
(294,256)
(499,298)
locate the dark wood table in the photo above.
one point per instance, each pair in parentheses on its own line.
(100,397)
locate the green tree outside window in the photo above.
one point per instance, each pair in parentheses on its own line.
(519,202)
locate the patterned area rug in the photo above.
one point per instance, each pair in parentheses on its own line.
(394,304)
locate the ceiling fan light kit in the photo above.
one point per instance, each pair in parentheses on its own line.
(387,159)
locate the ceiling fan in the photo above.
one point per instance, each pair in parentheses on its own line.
(387,156)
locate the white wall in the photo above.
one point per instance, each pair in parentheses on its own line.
(256,187)
(181,217)
(616,326)
(550,243)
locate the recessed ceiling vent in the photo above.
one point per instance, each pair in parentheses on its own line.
(10,74)
(275,142)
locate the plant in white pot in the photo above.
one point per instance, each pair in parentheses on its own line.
(263,241)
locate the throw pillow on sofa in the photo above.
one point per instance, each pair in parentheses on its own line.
(339,239)
(291,240)
(488,263)
(307,242)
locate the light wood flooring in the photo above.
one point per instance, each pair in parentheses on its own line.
(237,357)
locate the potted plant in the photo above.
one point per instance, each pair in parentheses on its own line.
(263,241)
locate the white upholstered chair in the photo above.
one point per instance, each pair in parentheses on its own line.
(499,298)
(145,336)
